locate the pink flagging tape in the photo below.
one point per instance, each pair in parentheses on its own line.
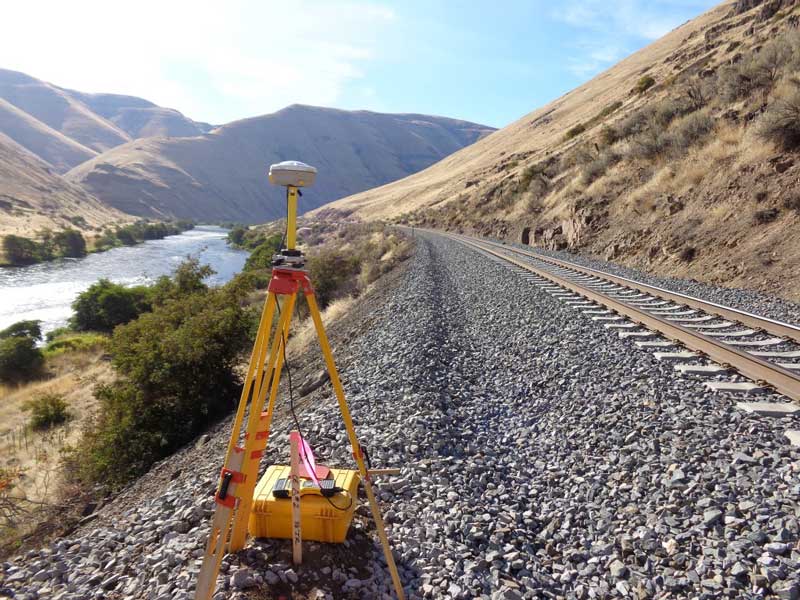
(307,456)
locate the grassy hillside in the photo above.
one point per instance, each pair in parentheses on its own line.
(58,110)
(33,197)
(670,161)
(222,175)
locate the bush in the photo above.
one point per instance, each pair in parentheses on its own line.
(332,273)
(20,359)
(72,342)
(178,364)
(69,243)
(780,124)
(650,144)
(21,251)
(766,215)
(644,84)
(687,253)
(792,202)
(690,129)
(236,235)
(261,257)
(608,136)
(105,305)
(575,131)
(48,411)
(598,167)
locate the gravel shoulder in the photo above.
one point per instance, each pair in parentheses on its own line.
(541,457)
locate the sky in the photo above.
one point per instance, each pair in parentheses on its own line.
(487,62)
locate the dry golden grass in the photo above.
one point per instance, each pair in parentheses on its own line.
(36,453)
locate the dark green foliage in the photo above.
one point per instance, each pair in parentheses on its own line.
(575,131)
(125,236)
(32,329)
(20,359)
(69,243)
(105,305)
(261,257)
(780,124)
(21,251)
(236,236)
(178,366)
(644,84)
(48,411)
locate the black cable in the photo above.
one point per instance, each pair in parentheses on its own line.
(294,416)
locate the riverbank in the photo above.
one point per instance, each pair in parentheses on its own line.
(18,251)
(45,291)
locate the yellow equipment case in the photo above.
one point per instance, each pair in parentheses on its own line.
(271,517)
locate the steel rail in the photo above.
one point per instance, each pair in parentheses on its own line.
(753,367)
(772,326)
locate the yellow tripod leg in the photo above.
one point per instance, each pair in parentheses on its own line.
(258,427)
(351,433)
(223,515)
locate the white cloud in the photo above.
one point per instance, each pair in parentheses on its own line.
(213,61)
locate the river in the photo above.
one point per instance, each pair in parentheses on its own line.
(45,291)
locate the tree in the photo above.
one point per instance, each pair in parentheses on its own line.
(236,235)
(69,242)
(20,359)
(20,250)
(105,305)
(32,329)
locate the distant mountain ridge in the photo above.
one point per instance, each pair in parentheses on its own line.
(151,161)
(222,175)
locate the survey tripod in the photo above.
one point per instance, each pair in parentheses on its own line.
(234,497)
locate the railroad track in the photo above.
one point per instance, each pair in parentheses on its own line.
(717,340)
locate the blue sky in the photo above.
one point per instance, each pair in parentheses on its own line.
(489,62)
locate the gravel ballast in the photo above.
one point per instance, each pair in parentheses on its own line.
(541,456)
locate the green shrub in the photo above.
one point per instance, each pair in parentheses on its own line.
(332,273)
(236,236)
(261,257)
(650,144)
(20,359)
(69,243)
(72,342)
(48,411)
(105,305)
(21,251)
(575,131)
(178,365)
(780,124)
(32,329)
(644,84)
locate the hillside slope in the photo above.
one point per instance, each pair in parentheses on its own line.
(33,197)
(57,109)
(52,146)
(222,175)
(657,163)
(66,127)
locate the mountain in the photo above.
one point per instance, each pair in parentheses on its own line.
(681,160)
(221,175)
(65,127)
(33,197)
